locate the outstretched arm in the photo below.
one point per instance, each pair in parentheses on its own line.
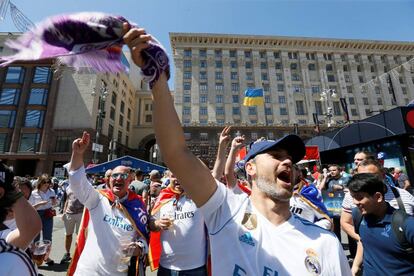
(194,176)
(236,145)
(224,139)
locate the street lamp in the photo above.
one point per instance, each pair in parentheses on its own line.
(326,96)
(103,93)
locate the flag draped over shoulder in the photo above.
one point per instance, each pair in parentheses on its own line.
(129,208)
(313,197)
(253,97)
(155,248)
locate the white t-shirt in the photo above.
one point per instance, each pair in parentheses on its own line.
(406,198)
(15,262)
(184,245)
(301,208)
(39,196)
(244,242)
(107,226)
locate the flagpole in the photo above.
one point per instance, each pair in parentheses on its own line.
(264,105)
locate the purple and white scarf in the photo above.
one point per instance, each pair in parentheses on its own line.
(88,39)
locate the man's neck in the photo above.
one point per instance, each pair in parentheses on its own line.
(381,211)
(277,212)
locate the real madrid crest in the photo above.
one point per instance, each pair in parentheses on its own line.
(312,262)
(249,221)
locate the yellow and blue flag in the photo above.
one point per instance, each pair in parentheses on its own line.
(253,97)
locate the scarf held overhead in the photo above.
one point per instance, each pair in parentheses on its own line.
(129,207)
(87,39)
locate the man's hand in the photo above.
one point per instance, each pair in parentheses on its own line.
(237,143)
(225,136)
(163,224)
(137,40)
(81,144)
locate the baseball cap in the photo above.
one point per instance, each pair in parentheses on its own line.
(293,144)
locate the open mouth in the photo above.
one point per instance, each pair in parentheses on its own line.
(284,176)
(118,185)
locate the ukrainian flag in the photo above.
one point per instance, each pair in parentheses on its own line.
(253,97)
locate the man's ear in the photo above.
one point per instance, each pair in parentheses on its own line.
(378,197)
(250,168)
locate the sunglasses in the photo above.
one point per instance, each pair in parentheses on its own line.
(122,175)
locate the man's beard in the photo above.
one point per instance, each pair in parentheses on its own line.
(272,191)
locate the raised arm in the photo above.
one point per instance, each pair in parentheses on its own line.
(218,169)
(236,145)
(194,176)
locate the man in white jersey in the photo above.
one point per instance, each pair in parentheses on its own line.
(182,240)
(117,219)
(254,235)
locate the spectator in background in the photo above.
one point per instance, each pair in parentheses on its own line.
(166,179)
(333,181)
(106,178)
(43,199)
(13,260)
(137,185)
(154,189)
(402,179)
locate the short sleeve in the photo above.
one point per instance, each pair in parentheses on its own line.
(347,203)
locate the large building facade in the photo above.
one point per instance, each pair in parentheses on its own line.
(212,71)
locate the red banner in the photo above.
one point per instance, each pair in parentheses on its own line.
(312,152)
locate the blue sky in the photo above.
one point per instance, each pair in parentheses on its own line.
(357,19)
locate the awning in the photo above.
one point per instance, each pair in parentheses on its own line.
(128,161)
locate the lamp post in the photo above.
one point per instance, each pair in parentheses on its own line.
(326,96)
(103,93)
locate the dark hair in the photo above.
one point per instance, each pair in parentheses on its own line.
(368,183)
(334,165)
(9,197)
(138,172)
(23,181)
(368,155)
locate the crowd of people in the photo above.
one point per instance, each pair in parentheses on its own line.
(262,215)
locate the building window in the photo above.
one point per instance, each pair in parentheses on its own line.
(235,98)
(295,77)
(148,118)
(354,112)
(247,54)
(361,79)
(296,88)
(316,89)
(278,65)
(264,76)
(112,113)
(203,75)
(187,63)
(187,75)
(217,53)
(203,122)
(187,53)
(233,64)
(203,110)
(202,53)
(219,87)
(293,66)
(203,98)
(42,75)
(113,99)
(34,118)
(351,100)
(15,75)
(203,64)
(219,75)
(219,64)
(236,111)
(119,136)
(279,77)
(235,87)
(219,98)
(293,55)
(234,76)
(7,118)
(302,122)
(38,96)
(345,67)
(29,142)
(379,101)
(282,99)
(128,127)
(110,132)
(365,101)
(219,111)
(310,56)
(318,107)
(249,76)
(327,56)
(280,87)
(63,144)
(372,69)
(329,67)
(262,54)
(9,96)
(268,111)
(403,90)
(311,67)
(347,78)
(187,98)
(300,110)
(331,78)
(276,54)
(4,142)
(122,107)
(129,114)
(187,86)
(336,108)
(349,89)
(186,111)
(121,120)
(263,65)
(267,99)
(283,111)
(359,68)
(203,87)
(233,53)
(204,137)
(252,110)
(248,65)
